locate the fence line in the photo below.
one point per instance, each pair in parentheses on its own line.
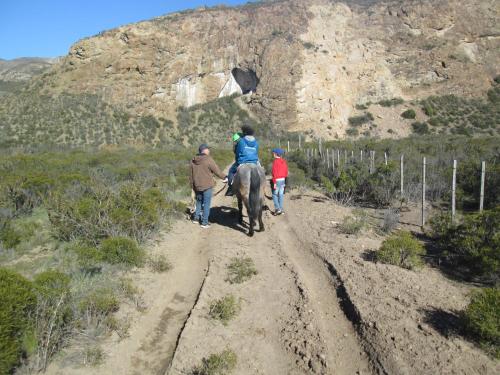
(332,157)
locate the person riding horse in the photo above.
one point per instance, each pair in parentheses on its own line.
(246,152)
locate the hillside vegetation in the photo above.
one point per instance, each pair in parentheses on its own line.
(29,119)
(71,225)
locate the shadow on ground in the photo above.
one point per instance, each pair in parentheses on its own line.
(227,217)
(447,323)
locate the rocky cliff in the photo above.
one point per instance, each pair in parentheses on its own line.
(302,65)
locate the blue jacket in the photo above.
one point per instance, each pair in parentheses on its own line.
(247,150)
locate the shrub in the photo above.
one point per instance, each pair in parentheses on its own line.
(360,120)
(53,314)
(409,114)
(18,303)
(217,364)
(476,243)
(352,224)
(159,263)
(428,108)
(420,128)
(391,220)
(224,309)
(352,132)
(9,237)
(401,249)
(240,270)
(391,102)
(122,250)
(482,319)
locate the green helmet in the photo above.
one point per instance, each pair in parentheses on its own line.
(236,137)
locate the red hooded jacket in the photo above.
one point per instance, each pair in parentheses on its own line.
(280,169)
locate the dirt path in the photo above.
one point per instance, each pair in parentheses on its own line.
(316,306)
(291,321)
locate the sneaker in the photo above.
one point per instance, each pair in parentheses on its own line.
(205,226)
(195,221)
(278,212)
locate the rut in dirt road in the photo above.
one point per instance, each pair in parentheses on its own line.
(291,320)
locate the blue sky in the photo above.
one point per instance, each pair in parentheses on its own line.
(47,28)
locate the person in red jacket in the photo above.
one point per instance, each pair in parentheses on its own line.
(280,173)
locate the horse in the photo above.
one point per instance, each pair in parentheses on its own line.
(249,185)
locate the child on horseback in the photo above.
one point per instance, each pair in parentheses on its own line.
(246,151)
(280,173)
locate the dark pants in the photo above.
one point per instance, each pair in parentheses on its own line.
(203,202)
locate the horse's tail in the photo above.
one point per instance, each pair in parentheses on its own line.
(254,199)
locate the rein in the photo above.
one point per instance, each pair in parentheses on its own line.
(220,191)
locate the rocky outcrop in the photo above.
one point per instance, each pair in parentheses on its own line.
(304,64)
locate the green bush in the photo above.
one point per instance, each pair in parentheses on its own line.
(9,236)
(482,319)
(18,304)
(122,250)
(360,120)
(217,364)
(409,114)
(224,309)
(352,132)
(100,302)
(240,270)
(391,102)
(401,249)
(420,128)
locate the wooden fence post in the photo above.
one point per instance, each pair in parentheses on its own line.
(328,159)
(279,143)
(385,157)
(361,157)
(423,190)
(453,191)
(300,142)
(333,160)
(481,195)
(338,158)
(372,162)
(402,175)
(320,150)
(288,147)
(345,156)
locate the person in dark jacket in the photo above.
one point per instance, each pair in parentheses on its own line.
(279,174)
(246,152)
(203,167)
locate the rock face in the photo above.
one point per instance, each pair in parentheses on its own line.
(304,64)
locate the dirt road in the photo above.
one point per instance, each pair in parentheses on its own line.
(316,305)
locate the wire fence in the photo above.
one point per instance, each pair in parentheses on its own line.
(412,177)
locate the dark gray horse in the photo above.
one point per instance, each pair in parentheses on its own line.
(249,184)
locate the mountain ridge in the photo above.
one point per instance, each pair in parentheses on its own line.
(304,66)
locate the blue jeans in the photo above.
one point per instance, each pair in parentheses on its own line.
(278,195)
(203,201)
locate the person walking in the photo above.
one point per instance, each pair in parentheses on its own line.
(203,167)
(279,175)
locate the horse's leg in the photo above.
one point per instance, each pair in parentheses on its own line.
(261,222)
(252,225)
(240,210)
